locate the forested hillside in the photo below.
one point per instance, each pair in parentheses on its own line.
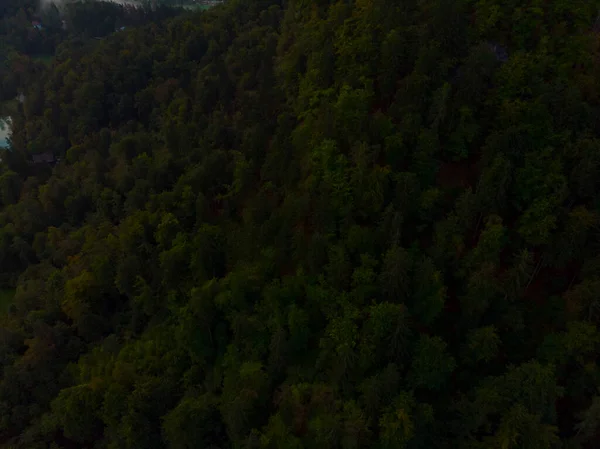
(309,224)
(33,31)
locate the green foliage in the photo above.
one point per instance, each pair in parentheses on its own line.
(431,365)
(195,421)
(301,224)
(76,411)
(482,345)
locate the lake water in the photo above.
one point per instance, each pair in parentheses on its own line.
(4,131)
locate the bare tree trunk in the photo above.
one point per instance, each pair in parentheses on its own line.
(536,270)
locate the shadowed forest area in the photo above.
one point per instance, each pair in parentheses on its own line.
(306,224)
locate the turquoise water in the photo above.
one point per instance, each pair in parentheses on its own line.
(4,132)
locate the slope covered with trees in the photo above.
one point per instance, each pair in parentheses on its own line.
(310,224)
(32,31)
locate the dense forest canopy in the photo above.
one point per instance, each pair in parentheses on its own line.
(306,224)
